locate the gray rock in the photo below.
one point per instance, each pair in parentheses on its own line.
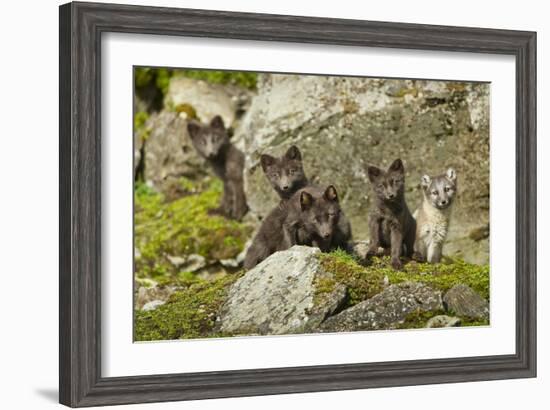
(279,296)
(443,321)
(145,295)
(169,153)
(152,305)
(207,99)
(190,263)
(386,310)
(430,125)
(465,302)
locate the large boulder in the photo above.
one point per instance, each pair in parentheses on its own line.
(387,310)
(465,302)
(279,296)
(343,124)
(206,99)
(168,153)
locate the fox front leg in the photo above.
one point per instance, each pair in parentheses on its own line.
(374,230)
(434,253)
(240,207)
(396,248)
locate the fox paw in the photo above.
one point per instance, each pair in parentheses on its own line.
(397,264)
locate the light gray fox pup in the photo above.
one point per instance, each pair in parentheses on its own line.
(433,216)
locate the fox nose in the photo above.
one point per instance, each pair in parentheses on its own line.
(391,196)
(444,202)
(285,187)
(326,235)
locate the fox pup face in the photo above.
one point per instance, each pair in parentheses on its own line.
(286,174)
(388,185)
(440,191)
(320,214)
(208,140)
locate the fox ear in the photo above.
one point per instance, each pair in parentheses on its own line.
(425,181)
(266,161)
(451,174)
(397,166)
(193,129)
(294,153)
(374,173)
(217,122)
(331,194)
(306,200)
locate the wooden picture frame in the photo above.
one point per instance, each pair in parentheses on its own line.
(81,27)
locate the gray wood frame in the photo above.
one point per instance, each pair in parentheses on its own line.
(81,27)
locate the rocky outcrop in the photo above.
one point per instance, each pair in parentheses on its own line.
(387,310)
(205,99)
(465,302)
(163,148)
(168,151)
(279,296)
(343,124)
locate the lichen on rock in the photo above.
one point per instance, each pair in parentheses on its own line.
(278,296)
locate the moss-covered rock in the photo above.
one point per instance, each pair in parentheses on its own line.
(188,314)
(182,227)
(366,281)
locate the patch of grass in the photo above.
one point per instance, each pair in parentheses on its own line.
(363,282)
(240,78)
(345,269)
(419,318)
(188,314)
(182,227)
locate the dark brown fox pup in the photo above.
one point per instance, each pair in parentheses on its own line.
(315,219)
(311,217)
(286,174)
(212,143)
(270,238)
(391,224)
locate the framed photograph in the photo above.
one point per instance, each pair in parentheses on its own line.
(262,204)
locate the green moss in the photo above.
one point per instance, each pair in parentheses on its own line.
(159,78)
(243,79)
(140,119)
(182,227)
(364,282)
(345,269)
(419,318)
(188,314)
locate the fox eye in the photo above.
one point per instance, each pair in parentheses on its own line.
(434,192)
(292,171)
(275,175)
(447,189)
(380,186)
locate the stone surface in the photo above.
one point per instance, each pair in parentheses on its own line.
(145,295)
(386,310)
(169,153)
(190,263)
(443,321)
(152,305)
(207,99)
(279,296)
(430,125)
(465,302)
